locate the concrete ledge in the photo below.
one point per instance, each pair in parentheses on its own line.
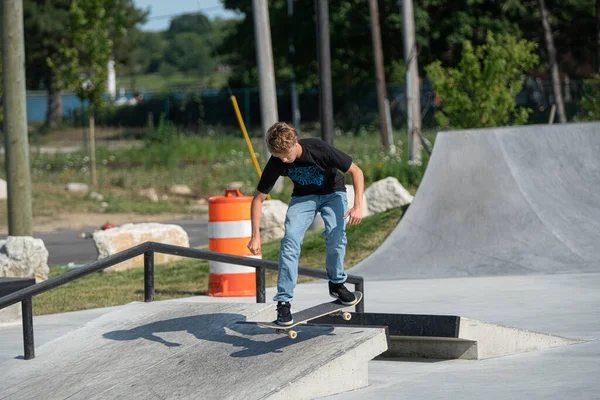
(349,371)
(431,347)
(447,337)
(181,350)
(497,340)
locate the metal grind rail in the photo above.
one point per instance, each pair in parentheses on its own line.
(148,249)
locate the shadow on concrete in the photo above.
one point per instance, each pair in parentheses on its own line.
(221,328)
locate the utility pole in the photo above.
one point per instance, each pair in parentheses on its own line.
(292,56)
(266,74)
(324,56)
(413,87)
(386,134)
(18,177)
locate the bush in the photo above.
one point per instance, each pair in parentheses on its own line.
(481,91)
(591,100)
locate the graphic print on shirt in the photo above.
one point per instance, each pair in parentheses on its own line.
(307,175)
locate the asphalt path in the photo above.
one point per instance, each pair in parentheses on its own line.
(66,247)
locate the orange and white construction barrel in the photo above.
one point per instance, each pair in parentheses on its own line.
(229,231)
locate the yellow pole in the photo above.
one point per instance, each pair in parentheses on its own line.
(246,137)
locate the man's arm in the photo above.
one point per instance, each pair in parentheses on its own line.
(255,214)
(358,180)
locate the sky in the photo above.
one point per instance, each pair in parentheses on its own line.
(161,11)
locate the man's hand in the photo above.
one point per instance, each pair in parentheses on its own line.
(358,180)
(254,245)
(355,214)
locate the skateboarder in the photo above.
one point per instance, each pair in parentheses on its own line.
(316,169)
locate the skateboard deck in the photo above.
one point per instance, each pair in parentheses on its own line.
(302,317)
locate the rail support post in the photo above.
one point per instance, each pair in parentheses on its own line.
(360,287)
(260,285)
(27,312)
(149,276)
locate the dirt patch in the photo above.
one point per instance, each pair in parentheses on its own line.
(87,222)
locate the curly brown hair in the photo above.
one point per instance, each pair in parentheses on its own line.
(281,137)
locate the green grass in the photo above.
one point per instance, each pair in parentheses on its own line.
(189,277)
(211,164)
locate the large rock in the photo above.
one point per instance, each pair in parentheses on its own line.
(182,190)
(150,194)
(3,192)
(273,220)
(112,241)
(23,257)
(350,194)
(386,194)
(76,187)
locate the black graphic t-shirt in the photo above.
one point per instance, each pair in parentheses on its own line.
(317,171)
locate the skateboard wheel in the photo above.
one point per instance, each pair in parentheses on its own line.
(292,334)
(347,316)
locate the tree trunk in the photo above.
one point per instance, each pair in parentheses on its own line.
(560,106)
(413,86)
(16,140)
(54,115)
(92,143)
(598,35)
(380,76)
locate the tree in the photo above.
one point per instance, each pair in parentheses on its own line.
(1,108)
(197,23)
(590,103)
(188,52)
(352,65)
(84,56)
(481,91)
(558,97)
(46,25)
(442,26)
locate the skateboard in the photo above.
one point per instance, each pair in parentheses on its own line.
(302,317)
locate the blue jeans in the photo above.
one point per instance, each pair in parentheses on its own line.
(300,215)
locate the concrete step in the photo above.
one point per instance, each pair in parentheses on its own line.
(183,350)
(447,337)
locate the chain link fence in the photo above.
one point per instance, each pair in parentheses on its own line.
(355,109)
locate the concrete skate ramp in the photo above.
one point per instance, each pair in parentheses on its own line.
(506,201)
(186,350)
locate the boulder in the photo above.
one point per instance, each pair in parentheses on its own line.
(273,220)
(3,190)
(386,194)
(150,194)
(181,190)
(117,239)
(96,196)
(75,187)
(23,257)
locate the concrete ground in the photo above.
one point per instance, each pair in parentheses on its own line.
(563,305)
